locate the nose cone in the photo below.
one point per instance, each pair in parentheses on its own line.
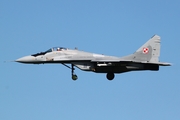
(26,59)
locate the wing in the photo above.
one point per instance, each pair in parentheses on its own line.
(130,61)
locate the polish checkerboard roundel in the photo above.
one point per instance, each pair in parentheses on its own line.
(145,50)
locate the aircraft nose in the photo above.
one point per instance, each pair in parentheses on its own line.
(26,59)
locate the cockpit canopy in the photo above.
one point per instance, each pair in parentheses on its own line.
(50,50)
(56,49)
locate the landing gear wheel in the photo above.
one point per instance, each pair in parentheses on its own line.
(110,76)
(74,77)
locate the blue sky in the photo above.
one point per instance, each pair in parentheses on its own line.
(33,92)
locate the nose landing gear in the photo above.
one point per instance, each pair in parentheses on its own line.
(74,76)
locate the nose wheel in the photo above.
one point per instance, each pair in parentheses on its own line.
(74,76)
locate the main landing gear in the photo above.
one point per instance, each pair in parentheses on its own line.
(74,76)
(110,76)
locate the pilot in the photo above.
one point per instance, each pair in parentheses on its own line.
(58,49)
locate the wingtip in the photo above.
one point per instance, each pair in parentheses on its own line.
(168,64)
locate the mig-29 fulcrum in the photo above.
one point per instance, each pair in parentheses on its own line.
(145,58)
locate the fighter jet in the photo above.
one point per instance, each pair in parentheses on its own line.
(145,58)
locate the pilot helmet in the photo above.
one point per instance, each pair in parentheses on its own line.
(58,49)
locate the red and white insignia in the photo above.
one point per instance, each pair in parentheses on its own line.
(145,50)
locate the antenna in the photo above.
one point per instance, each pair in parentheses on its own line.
(8,61)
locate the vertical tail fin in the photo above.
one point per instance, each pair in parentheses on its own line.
(150,51)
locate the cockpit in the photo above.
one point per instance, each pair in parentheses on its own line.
(56,49)
(50,50)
